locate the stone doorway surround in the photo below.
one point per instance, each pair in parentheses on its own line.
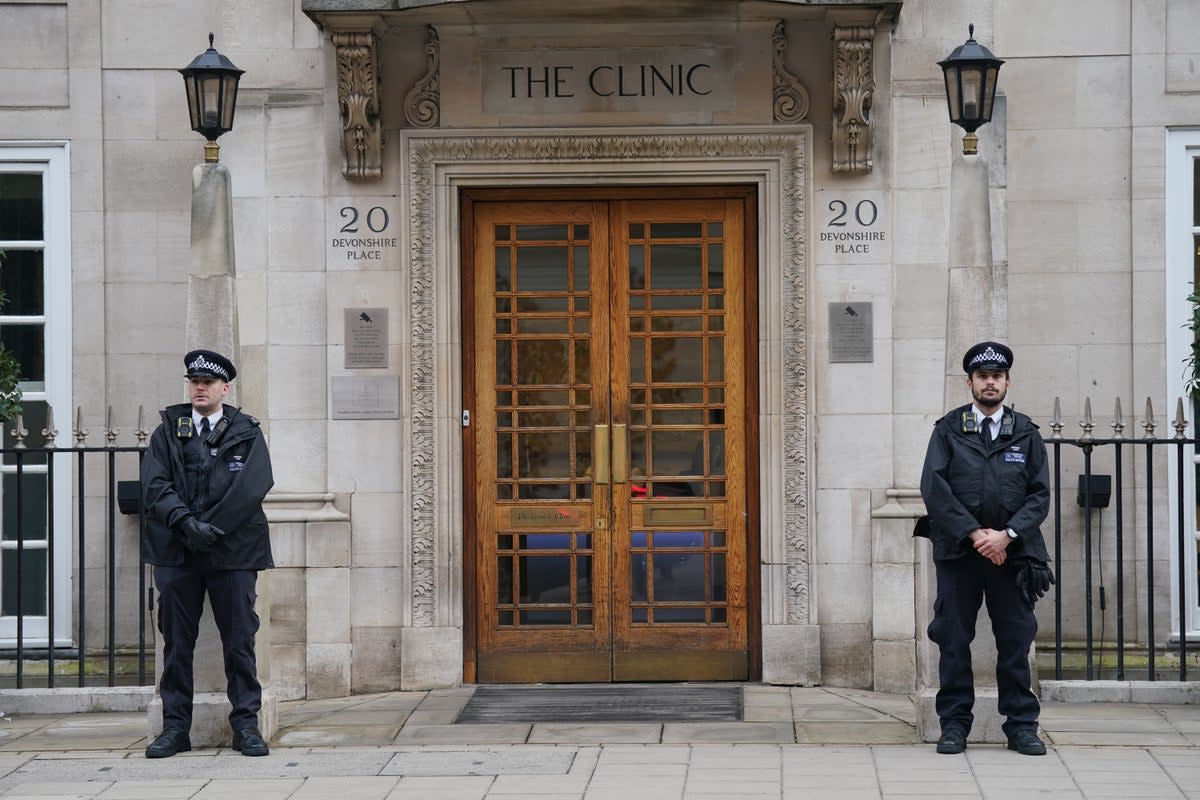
(436,165)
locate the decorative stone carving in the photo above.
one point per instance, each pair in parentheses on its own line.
(422,104)
(786,150)
(791,98)
(853,90)
(358,103)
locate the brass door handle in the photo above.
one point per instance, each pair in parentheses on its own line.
(620,465)
(601,473)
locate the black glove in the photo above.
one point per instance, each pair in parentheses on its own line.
(1034,578)
(199,537)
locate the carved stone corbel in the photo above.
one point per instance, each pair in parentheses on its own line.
(358,103)
(853,90)
(791,98)
(422,104)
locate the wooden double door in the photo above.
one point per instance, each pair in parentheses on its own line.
(609,446)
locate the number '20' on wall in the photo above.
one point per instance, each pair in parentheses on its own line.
(376,219)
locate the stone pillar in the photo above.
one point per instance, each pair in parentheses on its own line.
(969,300)
(212,324)
(894,613)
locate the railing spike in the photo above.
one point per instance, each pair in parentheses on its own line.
(1180,424)
(1148,423)
(81,433)
(110,431)
(141,433)
(20,433)
(1087,424)
(49,433)
(1056,423)
(1118,423)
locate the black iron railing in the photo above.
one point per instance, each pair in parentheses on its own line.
(1150,492)
(33,524)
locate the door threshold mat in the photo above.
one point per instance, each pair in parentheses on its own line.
(604,703)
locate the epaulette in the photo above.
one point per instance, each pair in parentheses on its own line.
(253,420)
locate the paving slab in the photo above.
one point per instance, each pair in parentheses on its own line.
(728,732)
(155,790)
(259,789)
(457,788)
(359,787)
(856,733)
(852,713)
(770,713)
(324,735)
(574,785)
(597,733)
(530,760)
(1117,738)
(663,754)
(464,734)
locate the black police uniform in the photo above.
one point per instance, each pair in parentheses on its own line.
(220,479)
(968,484)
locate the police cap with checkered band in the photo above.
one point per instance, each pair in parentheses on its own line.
(988,355)
(208,364)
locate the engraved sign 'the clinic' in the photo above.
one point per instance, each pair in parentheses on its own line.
(660,79)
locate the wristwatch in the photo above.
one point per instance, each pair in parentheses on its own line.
(1012,534)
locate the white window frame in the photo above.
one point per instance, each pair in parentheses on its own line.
(52,160)
(1183,149)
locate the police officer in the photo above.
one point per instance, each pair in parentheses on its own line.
(986,490)
(203,479)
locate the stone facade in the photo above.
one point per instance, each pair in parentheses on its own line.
(355,123)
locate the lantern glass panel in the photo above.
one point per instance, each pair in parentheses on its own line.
(228,103)
(193,101)
(989,92)
(972,84)
(952,94)
(210,88)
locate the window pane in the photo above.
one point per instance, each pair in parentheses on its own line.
(676,360)
(26,343)
(1195,193)
(562,617)
(545,579)
(679,615)
(678,576)
(674,230)
(503,269)
(20,206)
(675,266)
(33,501)
(542,361)
(21,281)
(541,233)
(542,269)
(582,263)
(33,583)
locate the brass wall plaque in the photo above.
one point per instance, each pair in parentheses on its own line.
(544,517)
(679,515)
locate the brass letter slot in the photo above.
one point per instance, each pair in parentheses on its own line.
(601,454)
(678,515)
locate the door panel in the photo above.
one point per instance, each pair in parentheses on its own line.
(609,405)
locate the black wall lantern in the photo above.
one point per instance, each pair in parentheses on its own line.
(211,81)
(971,72)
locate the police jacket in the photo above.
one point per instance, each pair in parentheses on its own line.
(234,481)
(968,485)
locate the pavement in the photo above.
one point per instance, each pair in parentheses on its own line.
(811,743)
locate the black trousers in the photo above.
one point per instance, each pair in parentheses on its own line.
(962,584)
(231,595)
